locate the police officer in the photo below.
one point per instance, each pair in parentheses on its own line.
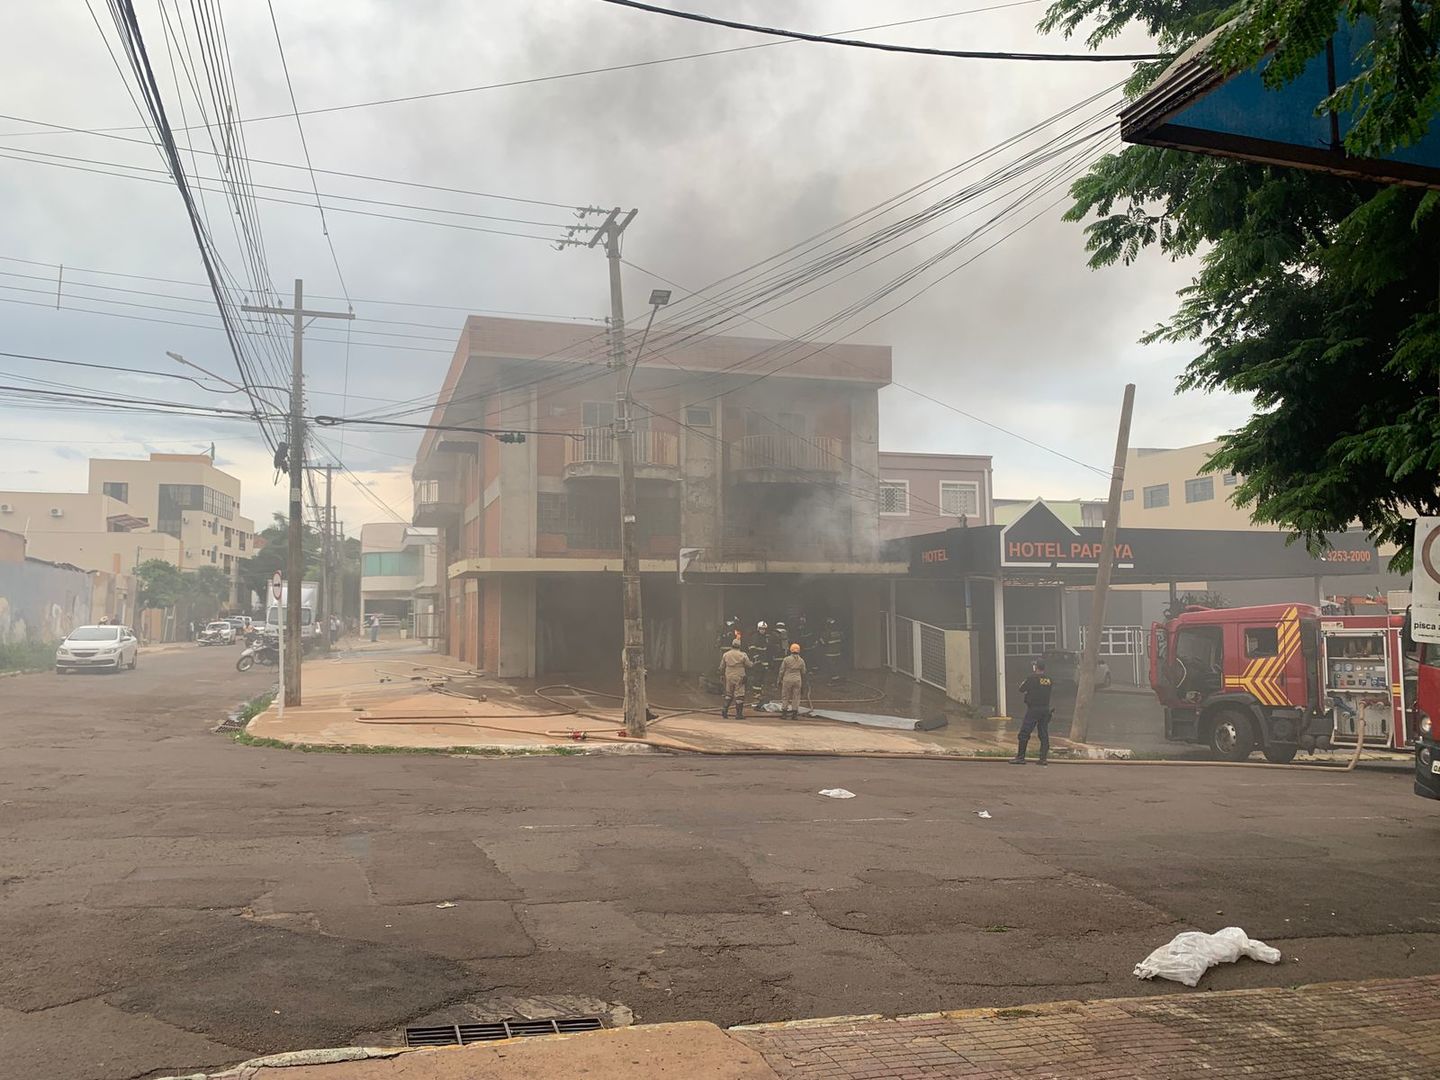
(833,645)
(792,680)
(1037,690)
(733,666)
(759,650)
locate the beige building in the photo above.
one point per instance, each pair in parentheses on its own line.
(93,532)
(925,493)
(186,497)
(1170,489)
(399,575)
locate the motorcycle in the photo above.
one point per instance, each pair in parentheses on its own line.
(263,650)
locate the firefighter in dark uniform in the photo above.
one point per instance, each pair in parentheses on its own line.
(832,647)
(732,635)
(759,651)
(779,649)
(1037,690)
(804,636)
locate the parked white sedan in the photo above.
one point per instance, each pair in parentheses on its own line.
(105,648)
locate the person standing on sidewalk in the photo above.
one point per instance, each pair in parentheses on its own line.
(1037,690)
(734,663)
(792,680)
(374,627)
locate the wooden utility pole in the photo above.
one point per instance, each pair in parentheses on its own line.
(295,555)
(1090,659)
(633,652)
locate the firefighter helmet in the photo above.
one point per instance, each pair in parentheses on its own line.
(794,646)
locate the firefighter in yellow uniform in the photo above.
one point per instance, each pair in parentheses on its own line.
(792,680)
(734,663)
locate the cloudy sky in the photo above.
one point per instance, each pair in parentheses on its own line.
(730,159)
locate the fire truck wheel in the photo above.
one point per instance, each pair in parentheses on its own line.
(1232,735)
(1281,755)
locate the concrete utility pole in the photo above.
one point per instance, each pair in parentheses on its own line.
(332,568)
(295,555)
(1085,688)
(633,652)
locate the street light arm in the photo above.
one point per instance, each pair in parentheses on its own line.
(630,374)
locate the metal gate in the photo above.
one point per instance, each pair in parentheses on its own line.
(1123,645)
(917,649)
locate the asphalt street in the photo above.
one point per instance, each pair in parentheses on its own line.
(171,900)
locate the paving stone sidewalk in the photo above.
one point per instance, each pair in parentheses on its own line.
(1342,1031)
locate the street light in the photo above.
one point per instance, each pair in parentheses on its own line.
(658,299)
(235,388)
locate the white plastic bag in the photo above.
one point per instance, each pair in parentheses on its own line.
(837,793)
(1193,953)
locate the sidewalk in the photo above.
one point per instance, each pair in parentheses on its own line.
(1338,1031)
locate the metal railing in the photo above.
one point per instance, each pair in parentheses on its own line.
(820,454)
(597,446)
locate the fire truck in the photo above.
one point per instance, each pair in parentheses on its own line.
(1282,678)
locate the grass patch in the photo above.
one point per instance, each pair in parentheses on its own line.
(246,739)
(28,656)
(254,707)
(1014,1014)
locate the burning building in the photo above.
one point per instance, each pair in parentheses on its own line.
(758,478)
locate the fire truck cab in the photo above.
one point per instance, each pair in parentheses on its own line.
(1242,679)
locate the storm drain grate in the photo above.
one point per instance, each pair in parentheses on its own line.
(463,1034)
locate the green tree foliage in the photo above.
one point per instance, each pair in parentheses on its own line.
(207,590)
(161,584)
(256,571)
(1316,295)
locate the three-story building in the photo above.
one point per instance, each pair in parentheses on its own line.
(757,470)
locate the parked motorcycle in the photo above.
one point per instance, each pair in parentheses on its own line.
(263,650)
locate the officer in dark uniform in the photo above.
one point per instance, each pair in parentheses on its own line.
(1037,690)
(731,636)
(804,635)
(759,651)
(779,648)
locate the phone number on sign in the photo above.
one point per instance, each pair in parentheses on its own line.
(1346,556)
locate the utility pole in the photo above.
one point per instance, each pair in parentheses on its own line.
(633,652)
(295,555)
(1085,688)
(332,568)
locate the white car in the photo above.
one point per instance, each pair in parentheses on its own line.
(105,648)
(219,632)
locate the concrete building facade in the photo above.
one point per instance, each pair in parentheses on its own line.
(399,575)
(186,497)
(769,487)
(923,493)
(1171,489)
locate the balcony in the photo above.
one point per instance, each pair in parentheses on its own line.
(785,459)
(432,508)
(592,452)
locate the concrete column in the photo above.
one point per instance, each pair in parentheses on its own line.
(1000,688)
(517,479)
(700,497)
(864,468)
(517,625)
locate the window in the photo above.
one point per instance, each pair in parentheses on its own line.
(775,423)
(229,536)
(1128,495)
(1262,641)
(1118,640)
(597,414)
(895,497)
(391,563)
(960,498)
(1031,640)
(1200,490)
(699,416)
(1157,495)
(240,540)
(550,513)
(1229,479)
(226,564)
(116,490)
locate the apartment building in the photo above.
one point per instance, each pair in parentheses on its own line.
(767,485)
(186,497)
(1171,489)
(925,493)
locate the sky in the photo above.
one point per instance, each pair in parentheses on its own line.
(729,159)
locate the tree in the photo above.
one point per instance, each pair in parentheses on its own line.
(256,571)
(207,589)
(1316,295)
(161,584)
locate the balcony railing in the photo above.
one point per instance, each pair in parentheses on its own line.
(432,507)
(596,446)
(786,453)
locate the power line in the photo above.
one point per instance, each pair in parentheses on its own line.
(964,54)
(430,95)
(305,147)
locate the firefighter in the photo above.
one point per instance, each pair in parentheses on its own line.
(792,680)
(778,651)
(733,666)
(731,635)
(759,650)
(832,641)
(804,635)
(1037,690)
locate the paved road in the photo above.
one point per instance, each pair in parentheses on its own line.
(171,900)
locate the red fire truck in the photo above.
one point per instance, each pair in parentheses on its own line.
(1283,678)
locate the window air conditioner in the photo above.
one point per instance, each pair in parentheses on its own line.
(6,508)
(55,511)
